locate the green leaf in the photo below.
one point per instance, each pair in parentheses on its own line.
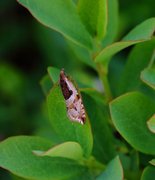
(99,118)
(114,171)
(84,79)
(112,26)
(152,162)
(151,124)
(94,16)
(94,94)
(137,61)
(14,177)
(148,77)
(140,33)
(71,150)
(83,54)
(46,84)
(63,126)
(16,156)
(129,114)
(148,173)
(53,47)
(54,74)
(60,16)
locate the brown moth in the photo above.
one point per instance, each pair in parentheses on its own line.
(74,104)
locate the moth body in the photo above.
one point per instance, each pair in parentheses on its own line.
(74,104)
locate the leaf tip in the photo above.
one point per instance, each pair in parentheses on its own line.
(151,124)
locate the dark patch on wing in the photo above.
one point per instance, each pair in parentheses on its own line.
(83,119)
(65,90)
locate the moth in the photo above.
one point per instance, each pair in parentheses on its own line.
(74,104)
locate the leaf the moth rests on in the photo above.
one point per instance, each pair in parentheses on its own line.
(63,126)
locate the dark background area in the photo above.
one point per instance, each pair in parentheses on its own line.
(26,50)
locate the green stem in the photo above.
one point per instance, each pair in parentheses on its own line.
(102,71)
(93,165)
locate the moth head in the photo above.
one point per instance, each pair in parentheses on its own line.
(62,75)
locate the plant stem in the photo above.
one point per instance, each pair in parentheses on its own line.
(103,76)
(102,72)
(93,165)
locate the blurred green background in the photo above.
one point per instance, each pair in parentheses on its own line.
(26,50)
